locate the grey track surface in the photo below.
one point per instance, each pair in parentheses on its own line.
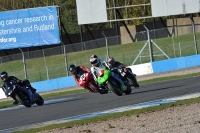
(139,78)
(89,102)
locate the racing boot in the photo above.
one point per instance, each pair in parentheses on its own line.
(15,101)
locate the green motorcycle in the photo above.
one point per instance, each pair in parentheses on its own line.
(107,78)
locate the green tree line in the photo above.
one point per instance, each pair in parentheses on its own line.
(68,11)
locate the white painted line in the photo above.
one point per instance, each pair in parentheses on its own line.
(45,102)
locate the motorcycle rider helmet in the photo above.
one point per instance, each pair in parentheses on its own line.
(4,76)
(94,56)
(72,69)
(111,61)
(94,60)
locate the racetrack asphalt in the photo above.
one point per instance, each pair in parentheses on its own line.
(88,102)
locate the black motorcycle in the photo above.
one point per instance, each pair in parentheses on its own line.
(23,94)
(128,75)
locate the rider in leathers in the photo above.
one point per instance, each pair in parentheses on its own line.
(98,65)
(114,65)
(7,83)
(77,72)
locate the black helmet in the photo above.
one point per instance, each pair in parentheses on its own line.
(72,69)
(111,61)
(94,60)
(4,75)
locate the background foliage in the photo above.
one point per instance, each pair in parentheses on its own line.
(68,12)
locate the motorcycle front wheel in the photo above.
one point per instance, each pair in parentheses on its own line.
(95,87)
(23,99)
(129,90)
(40,100)
(113,85)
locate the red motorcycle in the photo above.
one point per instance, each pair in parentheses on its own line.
(86,80)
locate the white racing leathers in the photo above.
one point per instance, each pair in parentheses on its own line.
(102,66)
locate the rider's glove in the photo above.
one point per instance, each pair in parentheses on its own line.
(19,81)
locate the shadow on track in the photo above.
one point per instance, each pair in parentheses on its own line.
(170,87)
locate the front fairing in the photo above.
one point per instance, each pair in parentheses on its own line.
(104,77)
(27,91)
(87,76)
(8,92)
(83,79)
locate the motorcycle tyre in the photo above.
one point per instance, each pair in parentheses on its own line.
(23,100)
(117,90)
(105,91)
(95,87)
(40,100)
(129,90)
(132,80)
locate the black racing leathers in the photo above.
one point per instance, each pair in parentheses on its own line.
(14,80)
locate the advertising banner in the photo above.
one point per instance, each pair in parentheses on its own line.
(174,7)
(91,11)
(29,27)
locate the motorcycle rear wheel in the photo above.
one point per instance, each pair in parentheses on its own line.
(95,87)
(23,99)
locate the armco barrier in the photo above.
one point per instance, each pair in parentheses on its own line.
(142,69)
(176,63)
(59,83)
